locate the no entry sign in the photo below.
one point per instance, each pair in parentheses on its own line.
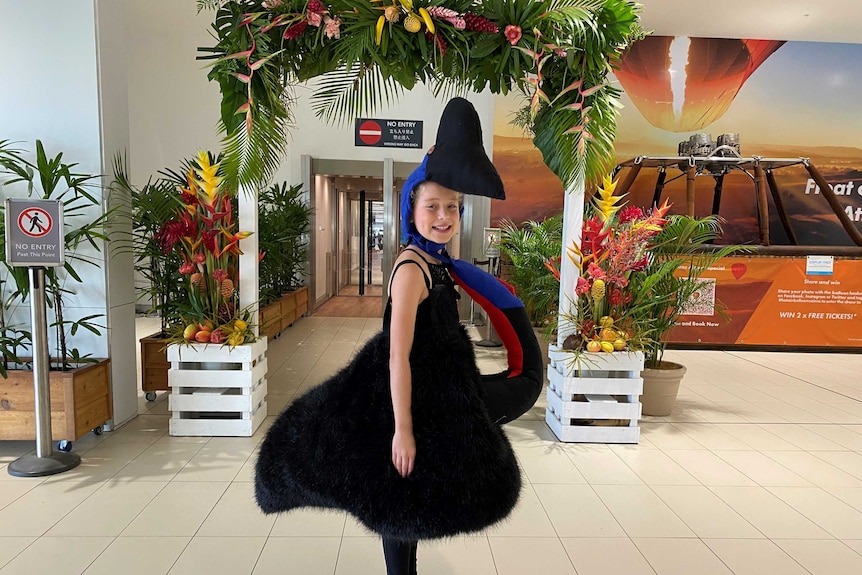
(388,133)
(34,232)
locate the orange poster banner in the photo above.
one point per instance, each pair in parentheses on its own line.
(812,301)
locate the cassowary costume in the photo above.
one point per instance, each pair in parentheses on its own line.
(332,447)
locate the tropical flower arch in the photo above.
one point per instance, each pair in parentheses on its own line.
(558,53)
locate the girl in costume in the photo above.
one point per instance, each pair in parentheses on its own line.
(406,438)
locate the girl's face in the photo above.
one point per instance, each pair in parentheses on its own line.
(436,212)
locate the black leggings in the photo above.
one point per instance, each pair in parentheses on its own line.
(400,556)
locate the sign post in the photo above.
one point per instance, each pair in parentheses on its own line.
(34,238)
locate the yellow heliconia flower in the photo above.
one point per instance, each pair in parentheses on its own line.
(209,181)
(605,199)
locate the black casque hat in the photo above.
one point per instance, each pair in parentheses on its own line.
(458,160)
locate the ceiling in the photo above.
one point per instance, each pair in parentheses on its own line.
(803,20)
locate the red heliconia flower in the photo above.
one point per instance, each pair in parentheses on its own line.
(295,31)
(171,233)
(189,198)
(209,240)
(640,265)
(630,214)
(593,237)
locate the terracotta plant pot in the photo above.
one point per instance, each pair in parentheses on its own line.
(661,385)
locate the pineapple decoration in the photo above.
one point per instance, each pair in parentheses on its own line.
(412,22)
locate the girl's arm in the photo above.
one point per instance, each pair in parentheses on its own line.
(407,291)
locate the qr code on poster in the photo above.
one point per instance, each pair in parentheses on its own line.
(702,301)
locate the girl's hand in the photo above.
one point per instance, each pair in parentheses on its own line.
(403,452)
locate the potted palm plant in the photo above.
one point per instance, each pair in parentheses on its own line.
(529,247)
(679,256)
(80,383)
(283,223)
(150,207)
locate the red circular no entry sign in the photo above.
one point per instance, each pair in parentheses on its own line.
(370,132)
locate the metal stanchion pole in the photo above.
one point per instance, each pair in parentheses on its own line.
(491,339)
(46,461)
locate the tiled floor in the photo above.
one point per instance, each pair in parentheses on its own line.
(758,471)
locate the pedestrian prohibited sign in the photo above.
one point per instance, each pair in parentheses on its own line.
(34,232)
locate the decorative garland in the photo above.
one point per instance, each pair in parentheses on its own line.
(558,53)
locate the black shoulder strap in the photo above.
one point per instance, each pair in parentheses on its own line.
(417,264)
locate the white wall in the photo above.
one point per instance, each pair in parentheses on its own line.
(54,98)
(66,85)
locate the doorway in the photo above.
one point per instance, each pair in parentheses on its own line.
(355,236)
(360,241)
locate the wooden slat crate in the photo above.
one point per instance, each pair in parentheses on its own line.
(217,390)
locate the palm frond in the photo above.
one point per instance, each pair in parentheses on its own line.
(251,156)
(346,94)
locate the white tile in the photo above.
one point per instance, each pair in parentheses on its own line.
(654,467)
(458,555)
(803,438)
(847,461)
(52,555)
(594,556)
(576,511)
(361,556)
(186,504)
(601,465)
(40,508)
(823,557)
(219,460)
(681,557)
(304,555)
(713,437)
(770,515)
(528,519)
(754,557)
(237,514)
(756,437)
(12,546)
(548,464)
(814,469)
(519,555)
(705,513)
(109,510)
(763,470)
(708,467)
(840,519)
(219,556)
(641,512)
(138,556)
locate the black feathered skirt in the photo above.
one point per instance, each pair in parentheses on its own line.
(332,447)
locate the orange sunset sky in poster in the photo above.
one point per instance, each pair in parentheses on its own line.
(800,101)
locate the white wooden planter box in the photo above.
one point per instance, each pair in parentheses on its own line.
(217,390)
(595,399)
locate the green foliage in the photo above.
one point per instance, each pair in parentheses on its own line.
(50,178)
(682,245)
(149,207)
(529,247)
(283,224)
(558,53)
